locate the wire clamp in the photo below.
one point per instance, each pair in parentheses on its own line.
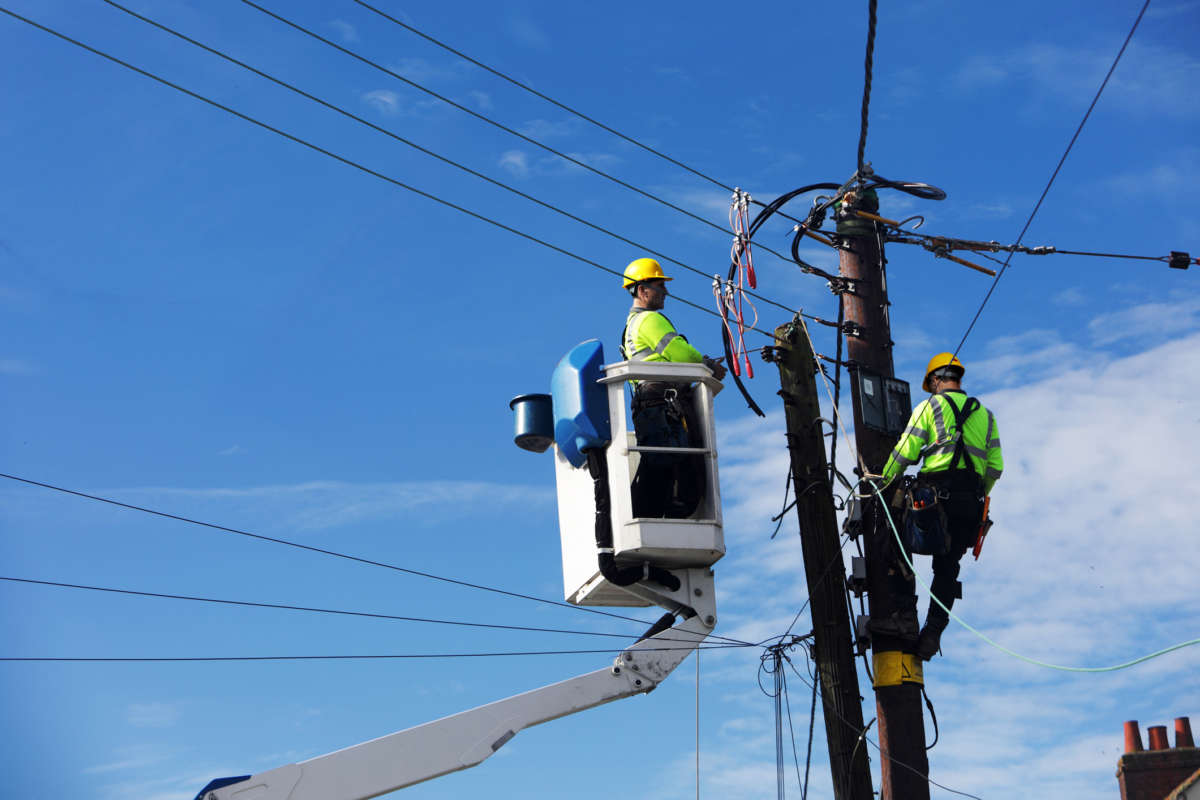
(1180,260)
(840,286)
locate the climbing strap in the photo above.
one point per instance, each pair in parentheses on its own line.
(961,456)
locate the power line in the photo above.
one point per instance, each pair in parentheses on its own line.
(545,97)
(323,551)
(347,161)
(862,733)
(869,68)
(310,609)
(499,125)
(1054,175)
(365,657)
(363,121)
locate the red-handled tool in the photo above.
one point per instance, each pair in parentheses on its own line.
(984,525)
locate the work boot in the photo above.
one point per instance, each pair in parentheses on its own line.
(930,639)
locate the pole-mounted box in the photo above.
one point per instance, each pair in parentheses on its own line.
(884,404)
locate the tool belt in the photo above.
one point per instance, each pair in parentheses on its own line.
(676,397)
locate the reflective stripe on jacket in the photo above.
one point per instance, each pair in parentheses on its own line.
(650,336)
(932,435)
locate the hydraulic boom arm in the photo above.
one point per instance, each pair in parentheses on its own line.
(467,738)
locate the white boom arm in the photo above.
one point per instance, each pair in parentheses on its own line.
(467,738)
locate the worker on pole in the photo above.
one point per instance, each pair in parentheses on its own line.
(667,484)
(958,443)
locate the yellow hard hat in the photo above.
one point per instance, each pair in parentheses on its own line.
(643,269)
(938,362)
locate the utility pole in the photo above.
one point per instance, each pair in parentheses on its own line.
(897,671)
(832,640)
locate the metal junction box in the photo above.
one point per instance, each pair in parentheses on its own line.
(670,543)
(884,403)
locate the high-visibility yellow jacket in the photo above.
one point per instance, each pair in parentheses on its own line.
(650,336)
(932,435)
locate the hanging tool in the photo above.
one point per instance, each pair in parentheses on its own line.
(985,525)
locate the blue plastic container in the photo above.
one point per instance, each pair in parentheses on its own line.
(580,402)
(534,422)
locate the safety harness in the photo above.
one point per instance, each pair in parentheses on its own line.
(929,491)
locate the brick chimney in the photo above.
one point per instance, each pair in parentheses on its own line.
(1155,773)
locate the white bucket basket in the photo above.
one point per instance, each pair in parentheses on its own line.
(669,543)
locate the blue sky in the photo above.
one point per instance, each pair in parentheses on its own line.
(204,318)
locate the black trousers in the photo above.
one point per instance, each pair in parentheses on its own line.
(666,484)
(964,511)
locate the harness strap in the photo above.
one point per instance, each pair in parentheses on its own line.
(961,456)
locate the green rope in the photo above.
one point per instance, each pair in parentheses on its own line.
(997,645)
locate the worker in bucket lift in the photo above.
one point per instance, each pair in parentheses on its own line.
(959,443)
(667,484)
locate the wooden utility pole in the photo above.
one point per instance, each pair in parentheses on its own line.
(897,670)
(832,639)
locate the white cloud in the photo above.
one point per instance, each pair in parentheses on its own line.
(542,129)
(384,101)
(152,715)
(1150,78)
(525,32)
(1083,568)
(515,162)
(482,100)
(1069,297)
(345,31)
(232,450)
(16,366)
(1149,319)
(323,505)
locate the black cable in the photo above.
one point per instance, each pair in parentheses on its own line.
(332,553)
(558,103)
(787,485)
(287,607)
(870,66)
(347,161)
(170,659)
(490,121)
(862,732)
(385,131)
(837,559)
(1110,255)
(543,96)
(932,715)
(812,721)
(729,355)
(792,734)
(837,387)
(1054,175)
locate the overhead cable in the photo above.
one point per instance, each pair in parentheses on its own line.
(392,134)
(862,733)
(490,121)
(544,96)
(310,609)
(870,66)
(1054,175)
(364,657)
(607,128)
(343,159)
(323,551)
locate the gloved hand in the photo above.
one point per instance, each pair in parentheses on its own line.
(718,371)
